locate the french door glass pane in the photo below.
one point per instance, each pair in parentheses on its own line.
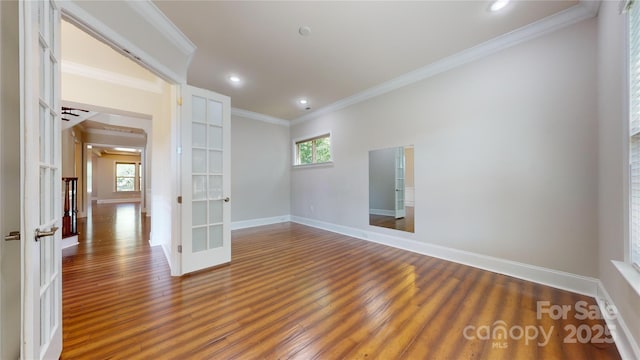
(199,109)
(43,61)
(215,211)
(43,269)
(43,119)
(215,162)
(43,191)
(199,161)
(52,194)
(199,213)
(199,239)
(199,136)
(215,236)
(215,187)
(43,319)
(215,138)
(54,302)
(52,80)
(53,152)
(214,113)
(199,187)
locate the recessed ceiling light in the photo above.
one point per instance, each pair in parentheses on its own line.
(303,101)
(235,79)
(304,30)
(498,5)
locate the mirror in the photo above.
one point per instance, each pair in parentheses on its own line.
(391,188)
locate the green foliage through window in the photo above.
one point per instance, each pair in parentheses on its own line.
(125,177)
(313,151)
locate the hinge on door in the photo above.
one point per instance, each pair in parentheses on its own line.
(180,249)
(179,199)
(180,100)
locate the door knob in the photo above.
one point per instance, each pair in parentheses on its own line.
(227,199)
(13,235)
(51,232)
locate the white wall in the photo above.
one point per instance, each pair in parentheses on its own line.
(612,172)
(260,169)
(9,181)
(505,154)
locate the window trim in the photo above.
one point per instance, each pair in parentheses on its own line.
(630,241)
(295,146)
(135,177)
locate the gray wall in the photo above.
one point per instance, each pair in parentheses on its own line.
(505,154)
(382,180)
(611,162)
(260,169)
(9,181)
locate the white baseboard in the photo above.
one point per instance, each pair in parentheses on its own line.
(382,212)
(243,224)
(627,347)
(554,278)
(69,241)
(118,201)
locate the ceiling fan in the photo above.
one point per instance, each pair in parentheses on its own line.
(70,111)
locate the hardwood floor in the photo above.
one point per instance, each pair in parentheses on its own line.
(297,292)
(405,224)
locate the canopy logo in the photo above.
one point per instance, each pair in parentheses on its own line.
(500,333)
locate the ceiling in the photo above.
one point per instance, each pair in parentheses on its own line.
(353,46)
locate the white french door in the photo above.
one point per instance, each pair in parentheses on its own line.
(205,179)
(399,183)
(41,180)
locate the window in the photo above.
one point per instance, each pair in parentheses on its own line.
(634,132)
(125,176)
(315,150)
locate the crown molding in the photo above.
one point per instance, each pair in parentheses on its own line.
(73,68)
(259,117)
(113,133)
(161,22)
(581,11)
(91,24)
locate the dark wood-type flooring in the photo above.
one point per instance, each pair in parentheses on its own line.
(293,291)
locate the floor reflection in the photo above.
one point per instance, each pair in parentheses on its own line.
(119,225)
(404,224)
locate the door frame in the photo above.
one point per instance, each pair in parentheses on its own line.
(399,163)
(71,11)
(160,27)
